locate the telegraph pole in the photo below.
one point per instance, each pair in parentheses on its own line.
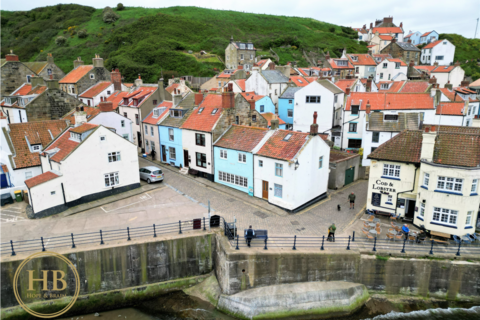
(476,30)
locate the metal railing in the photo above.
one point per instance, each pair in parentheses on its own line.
(102,237)
(377,245)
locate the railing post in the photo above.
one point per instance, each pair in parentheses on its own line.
(431,248)
(179,226)
(43,247)
(374,244)
(154,231)
(101,238)
(237,248)
(353,237)
(204,225)
(73,243)
(294,242)
(128,233)
(265,243)
(403,249)
(323,240)
(348,246)
(459,244)
(13,252)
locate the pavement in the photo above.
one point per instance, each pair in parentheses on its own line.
(183,197)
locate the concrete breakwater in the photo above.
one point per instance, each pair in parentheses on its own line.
(124,275)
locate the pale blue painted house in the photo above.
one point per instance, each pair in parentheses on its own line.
(414,37)
(233,156)
(171,146)
(286,103)
(428,37)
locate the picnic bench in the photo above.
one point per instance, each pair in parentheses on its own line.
(440,237)
(259,234)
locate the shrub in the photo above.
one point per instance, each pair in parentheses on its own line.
(82,33)
(331,29)
(99,35)
(60,41)
(120,7)
(109,16)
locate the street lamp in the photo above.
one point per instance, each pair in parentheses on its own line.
(297,165)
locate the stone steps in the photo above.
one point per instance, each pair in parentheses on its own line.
(184,170)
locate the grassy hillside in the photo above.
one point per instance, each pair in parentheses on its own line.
(148,41)
(466,50)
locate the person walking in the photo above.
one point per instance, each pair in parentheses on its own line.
(331,232)
(352,197)
(405,230)
(249,234)
(153,154)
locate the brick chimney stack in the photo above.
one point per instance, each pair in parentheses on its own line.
(432,80)
(271,66)
(327,56)
(97,61)
(347,91)
(314,125)
(252,104)
(371,25)
(457,64)
(11,56)
(77,63)
(368,107)
(428,143)
(409,40)
(116,80)
(412,63)
(464,83)
(394,40)
(105,106)
(228,97)
(369,84)
(435,63)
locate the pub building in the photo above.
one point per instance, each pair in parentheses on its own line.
(428,177)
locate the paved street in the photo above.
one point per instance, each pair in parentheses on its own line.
(182,197)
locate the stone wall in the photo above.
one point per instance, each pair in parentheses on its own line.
(57,73)
(100,74)
(13,75)
(397,52)
(52,104)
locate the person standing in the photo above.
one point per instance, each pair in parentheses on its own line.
(331,232)
(405,230)
(249,234)
(352,197)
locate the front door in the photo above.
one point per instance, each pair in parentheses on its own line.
(349,174)
(185,158)
(410,210)
(265,190)
(139,139)
(164,154)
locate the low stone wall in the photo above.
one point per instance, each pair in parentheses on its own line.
(442,278)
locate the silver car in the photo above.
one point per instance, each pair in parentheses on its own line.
(151,174)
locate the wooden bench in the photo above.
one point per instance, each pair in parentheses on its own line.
(440,237)
(259,234)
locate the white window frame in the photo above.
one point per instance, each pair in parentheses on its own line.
(171,134)
(223,154)
(390,198)
(449,184)
(146,130)
(111,179)
(313,99)
(279,188)
(474,186)
(422,210)
(469,219)
(233,179)
(260,163)
(278,169)
(92,76)
(426,179)
(391,170)
(114,156)
(122,123)
(242,157)
(445,216)
(320,162)
(28,175)
(172,153)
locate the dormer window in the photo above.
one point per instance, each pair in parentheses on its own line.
(391,117)
(385,86)
(341,62)
(75,136)
(378,59)
(125,101)
(250,46)
(156,113)
(354,58)
(135,102)
(176,113)
(29,77)
(242,45)
(215,111)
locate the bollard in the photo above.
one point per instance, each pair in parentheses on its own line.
(101,238)
(179,227)
(374,244)
(431,248)
(73,243)
(403,249)
(154,231)
(128,232)
(265,243)
(353,238)
(459,244)
(13,252)
(294,242)
(204,225)
(43,247)
(323,240)
(348,246)
(237,248)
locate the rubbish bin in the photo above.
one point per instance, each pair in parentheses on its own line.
(18,195)
(25,196)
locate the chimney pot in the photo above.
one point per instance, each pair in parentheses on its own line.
(347,91)
(314,125)
(368,107)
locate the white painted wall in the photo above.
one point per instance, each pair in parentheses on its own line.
(260,86)
(15,115)
(445,49)
(455,77)
(131,112)
(114,120)
(188,141)
(368,144)
(41,196)
(390,72)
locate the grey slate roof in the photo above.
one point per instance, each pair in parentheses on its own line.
(408,46)
(170,121)
(406,121)
(289,93)
(330,86)
(274,76)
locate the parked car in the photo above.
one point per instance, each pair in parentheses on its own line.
(151,174)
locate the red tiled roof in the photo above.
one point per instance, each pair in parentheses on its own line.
(2,115)
(91,113)
(251,95)
(383,56)
(302,71)
(116,98)
(150,119)
(65,145)
(426,69)
(22,90)
(38,90)
(387,30)
(362,59)
(385,37)
(262,62)
(4,168)
(142,93)
(442,69)
(334,65)
(394,87)
(402,63)
(404,147)
(76,74)
(299,81)
(37,132)
(465,90)
(415,86)
(96,89)
(426,34)
(270,116)
(205,121)
(450,108)
(457,149)
(227,75)
(83,128)
(128,84)
(169,89)
(432,44)
(242,138)
(276,147)
(371,46)
(451,95)
(311,79)
(345,83)
(241,84)
(390,101)
(41,178)
(408,36)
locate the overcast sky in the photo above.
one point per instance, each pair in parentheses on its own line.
(443,16)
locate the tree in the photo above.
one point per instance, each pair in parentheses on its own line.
(109,15)
(60,41)
(120,7)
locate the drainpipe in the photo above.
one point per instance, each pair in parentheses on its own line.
(413,188)
(63,193)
